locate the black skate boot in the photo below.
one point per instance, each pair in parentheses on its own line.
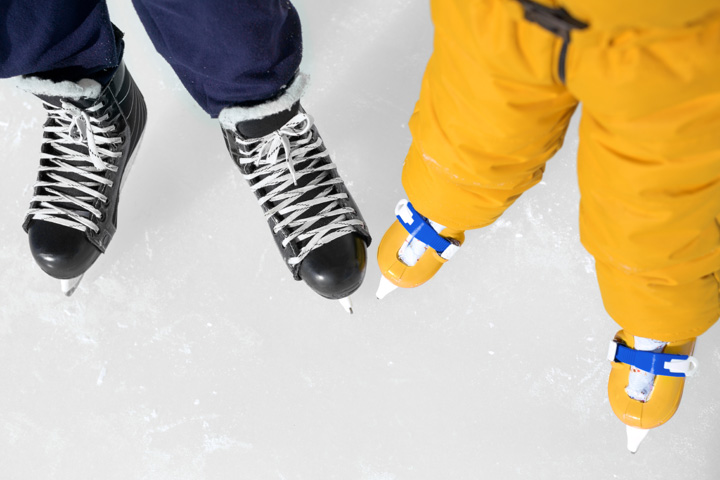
(89,141)
(315,222)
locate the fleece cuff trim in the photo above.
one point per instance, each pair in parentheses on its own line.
(231,116)
(85,88)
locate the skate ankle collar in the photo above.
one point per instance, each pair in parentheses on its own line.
(231,116)
(420,228)
(664,364)
(85,88)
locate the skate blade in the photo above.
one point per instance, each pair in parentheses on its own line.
(385,287)
(131,161)
(635,436)
(346,304)
(68,286)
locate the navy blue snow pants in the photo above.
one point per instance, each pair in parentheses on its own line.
(226,52)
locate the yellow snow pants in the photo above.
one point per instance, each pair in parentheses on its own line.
(492,111)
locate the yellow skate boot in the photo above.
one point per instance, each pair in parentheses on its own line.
(646,381)
(413,249)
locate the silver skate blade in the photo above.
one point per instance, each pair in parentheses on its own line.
(634,437)
(346,304)
(69,286)
(131,160)
(385,287)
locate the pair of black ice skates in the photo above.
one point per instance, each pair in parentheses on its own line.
(92,135)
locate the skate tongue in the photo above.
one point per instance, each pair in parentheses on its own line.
(81,103)
(256,129)
(57,155)
(83,93)
(259,127)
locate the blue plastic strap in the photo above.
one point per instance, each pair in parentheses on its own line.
(419,227)
(650,362)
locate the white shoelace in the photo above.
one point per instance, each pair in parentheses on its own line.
(74,126)
(277,157)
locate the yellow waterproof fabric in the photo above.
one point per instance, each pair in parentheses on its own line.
(624,14)
(492,111)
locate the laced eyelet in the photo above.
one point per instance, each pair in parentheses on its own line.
(274,166)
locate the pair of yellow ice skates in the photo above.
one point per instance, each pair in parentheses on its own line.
(413,250)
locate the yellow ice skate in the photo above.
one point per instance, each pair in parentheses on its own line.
(412,250)
(669,369)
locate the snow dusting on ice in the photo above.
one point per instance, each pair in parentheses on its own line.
(188,352)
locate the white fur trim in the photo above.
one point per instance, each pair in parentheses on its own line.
(230,116)
(85,88)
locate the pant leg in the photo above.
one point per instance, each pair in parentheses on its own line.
(226,52)
(69,40)
(491,113)
(649,173)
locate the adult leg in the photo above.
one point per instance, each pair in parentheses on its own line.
(239,60)
(226,52)
(69,55)
(66,40)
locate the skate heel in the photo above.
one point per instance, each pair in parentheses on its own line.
(670,369)
(412,250)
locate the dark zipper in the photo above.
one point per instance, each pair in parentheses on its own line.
(556,21)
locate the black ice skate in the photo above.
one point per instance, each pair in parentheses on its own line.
(315,222)
(89,141)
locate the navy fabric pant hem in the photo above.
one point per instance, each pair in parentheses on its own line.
(73,39)
(103,75)
(225,52)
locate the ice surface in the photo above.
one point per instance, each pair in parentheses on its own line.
(188,352)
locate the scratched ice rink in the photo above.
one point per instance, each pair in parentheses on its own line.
(188,352)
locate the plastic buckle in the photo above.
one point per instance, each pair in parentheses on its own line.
(555,20)
(420,228)
(664,364)
(687,367)
(612,351)
(405,214)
